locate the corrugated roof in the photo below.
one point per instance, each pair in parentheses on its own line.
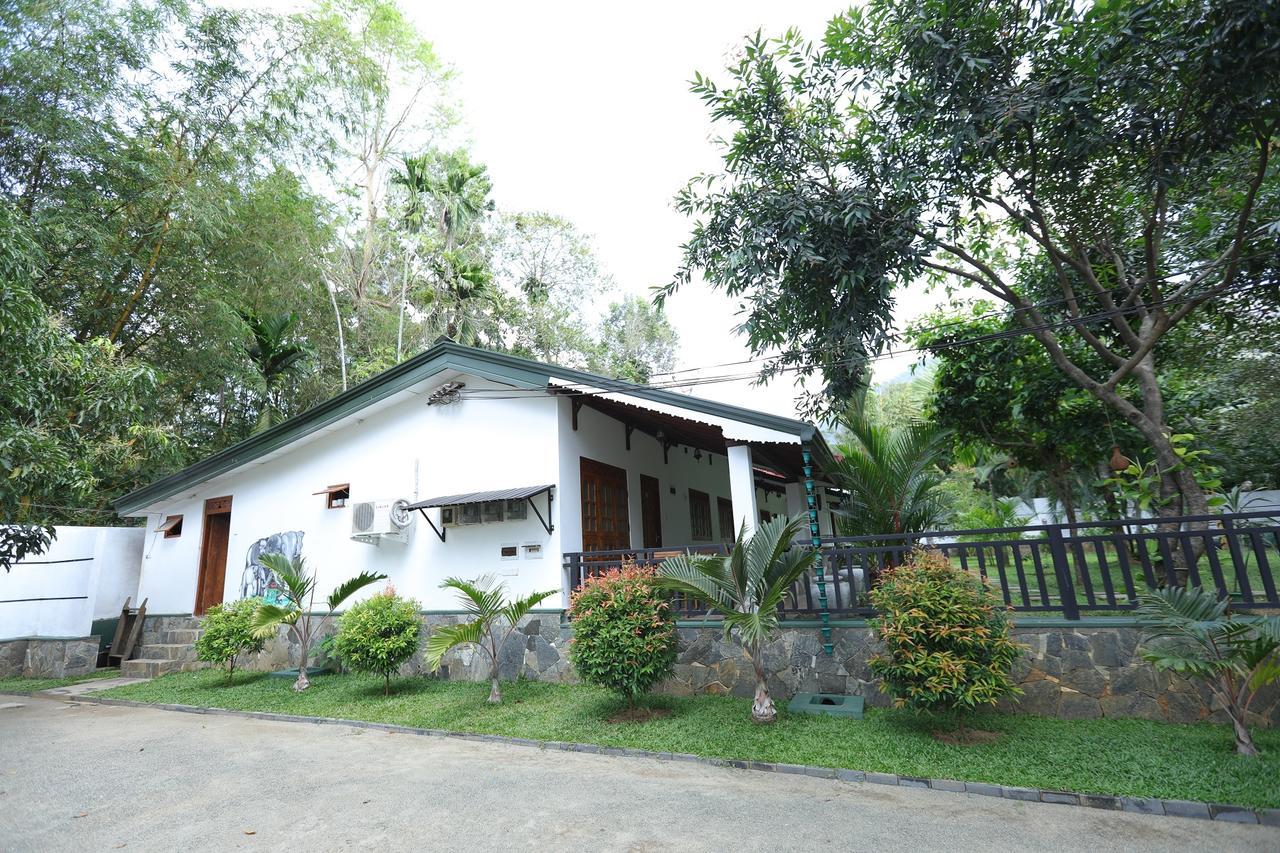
(481,497)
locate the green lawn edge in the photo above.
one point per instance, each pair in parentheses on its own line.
(23,685)
(1123,757)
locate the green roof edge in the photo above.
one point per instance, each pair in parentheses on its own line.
(442,355)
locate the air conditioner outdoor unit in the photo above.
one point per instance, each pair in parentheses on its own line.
(376,521)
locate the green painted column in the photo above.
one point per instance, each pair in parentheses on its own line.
(819,570)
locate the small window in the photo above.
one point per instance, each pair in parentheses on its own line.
(724,507)
(470,514)
(510,552)
(336,497)
(517,509)
(493,510)
(171,527)
(532,550)
(700,516)
(447,514)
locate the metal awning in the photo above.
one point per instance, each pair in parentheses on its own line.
(519,494)
(481,497)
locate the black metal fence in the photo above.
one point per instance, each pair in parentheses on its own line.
(1068,569)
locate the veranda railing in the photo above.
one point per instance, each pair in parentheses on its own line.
(1093,567)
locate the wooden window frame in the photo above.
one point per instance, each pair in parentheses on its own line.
(171,527)
(727,532)
(700,500)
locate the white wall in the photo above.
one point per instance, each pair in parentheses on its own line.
(86,574)
(406,449)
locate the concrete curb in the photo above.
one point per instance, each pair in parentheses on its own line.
(1139,805)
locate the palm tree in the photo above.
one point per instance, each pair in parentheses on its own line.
(300,594)
(485,599)
(746,587)
(274,355)
(1190,631)
(891,475)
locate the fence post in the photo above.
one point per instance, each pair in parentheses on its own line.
(1062,570)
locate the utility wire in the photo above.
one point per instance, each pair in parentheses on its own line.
(583,389)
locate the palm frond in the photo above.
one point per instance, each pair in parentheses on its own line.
(346,589)
(703,578)
(516,610)
(481,597)
(445,637)
(267,617)
(292,574)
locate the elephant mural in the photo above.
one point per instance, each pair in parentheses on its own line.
(259,581)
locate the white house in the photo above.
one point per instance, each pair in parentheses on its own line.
(465,462)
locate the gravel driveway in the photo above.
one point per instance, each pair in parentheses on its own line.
(96,777)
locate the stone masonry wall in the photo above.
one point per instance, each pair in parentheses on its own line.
(44,658)
(1075,672)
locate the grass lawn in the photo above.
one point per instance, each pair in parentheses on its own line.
(18,684)
(1134,757)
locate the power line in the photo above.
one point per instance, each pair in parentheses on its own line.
(583,389)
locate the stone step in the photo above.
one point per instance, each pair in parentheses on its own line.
(180,635)
(148,668)
(155,667)
(167,651)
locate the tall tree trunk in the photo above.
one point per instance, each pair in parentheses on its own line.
(762,708)
(342,341)
(1244,738)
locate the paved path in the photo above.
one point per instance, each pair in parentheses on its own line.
(91,686)
(95,777)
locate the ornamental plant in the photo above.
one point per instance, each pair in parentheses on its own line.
(226,631)
(946,638)
(378,635)
(745,588)
(299,597)
(624,638)
(1191,632)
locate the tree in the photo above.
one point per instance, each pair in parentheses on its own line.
(299,591)
(746,588)
(636,341)
(1113,157)
(891,476)
(275,356)
(485,599)
(1189,631)
(996,388)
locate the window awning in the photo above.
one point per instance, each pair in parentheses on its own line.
(519,494)
(328,490)
(481,497)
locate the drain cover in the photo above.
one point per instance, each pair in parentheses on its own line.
(831,704)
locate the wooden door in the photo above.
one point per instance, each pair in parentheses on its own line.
(605,524)
(213,554)
(650,511)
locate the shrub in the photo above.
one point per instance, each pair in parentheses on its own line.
(378,635)
(946,637)
(227,631)
(624,638)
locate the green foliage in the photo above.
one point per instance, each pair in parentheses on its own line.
(1139,483)
(745,588)
(1190,631)
(485,600)
(891,475)
(226,631)
(946,638)
(624,637)
(378,635)
(299,591)
(1105,170)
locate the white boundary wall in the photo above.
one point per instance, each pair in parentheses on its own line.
(86,574)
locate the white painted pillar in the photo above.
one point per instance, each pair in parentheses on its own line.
(742,488)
